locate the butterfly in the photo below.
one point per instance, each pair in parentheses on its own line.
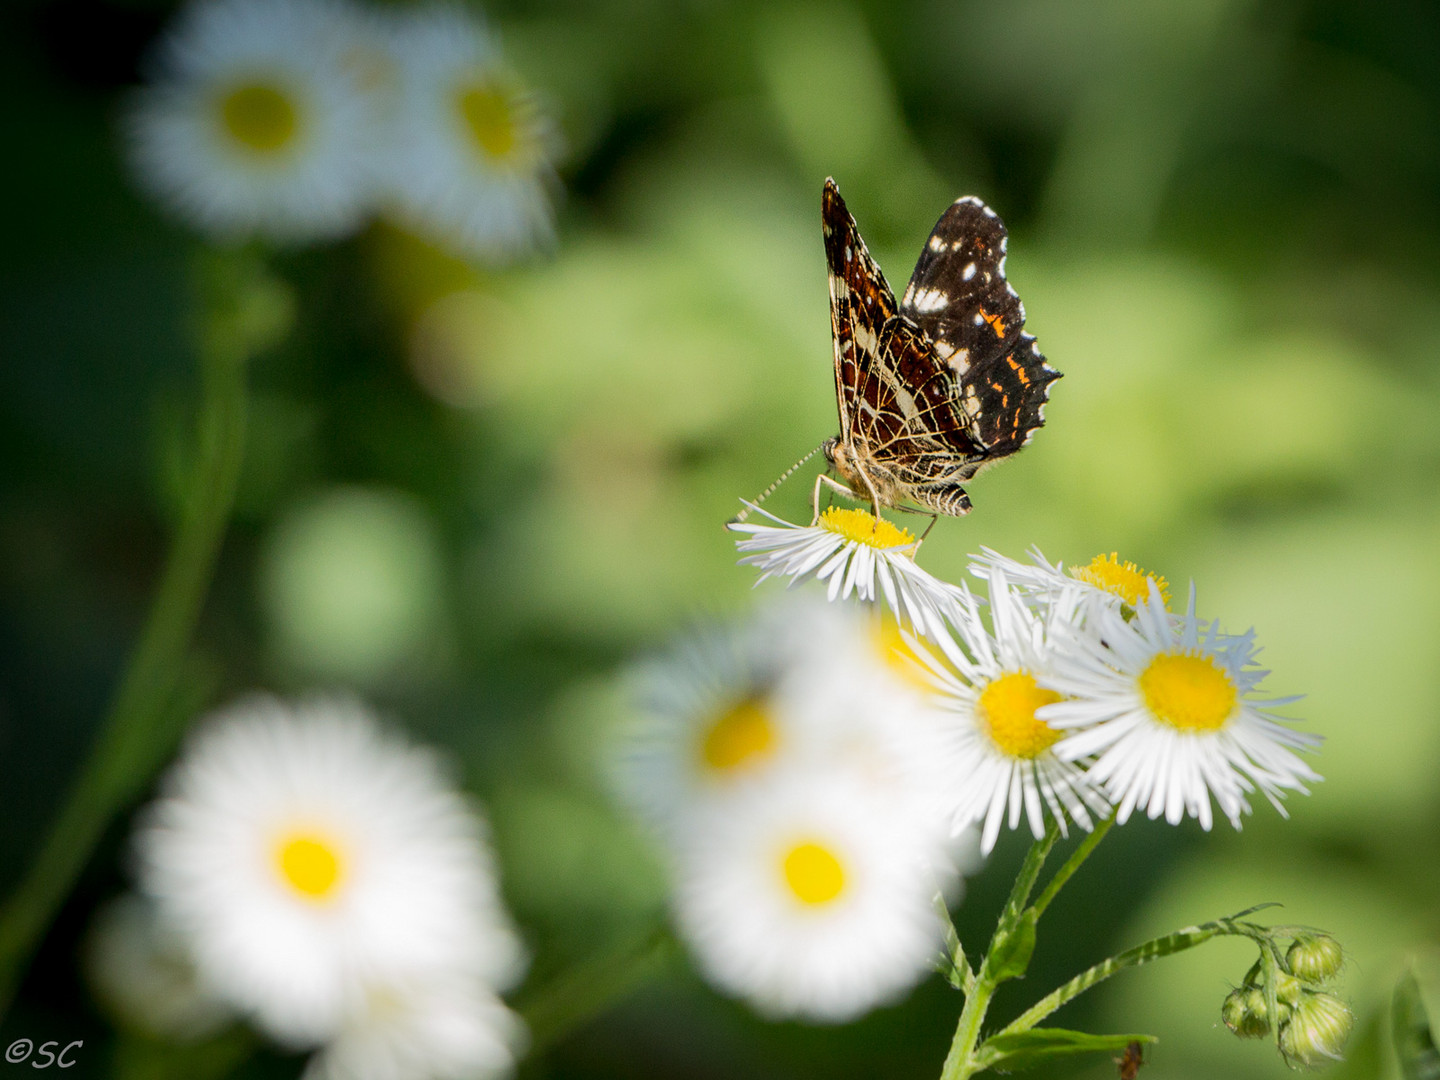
(939,386)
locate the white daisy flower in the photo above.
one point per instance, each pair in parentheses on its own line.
(144,976)
(440,1027)
(807,684)
(852,552)
(470,152)
(253,124)
(993,682)
(1166,702)
(305,855)
(1105,576)
(811,898)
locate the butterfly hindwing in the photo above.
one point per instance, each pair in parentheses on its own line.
(860,301)
(959,297)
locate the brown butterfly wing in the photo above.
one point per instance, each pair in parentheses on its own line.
(860,303)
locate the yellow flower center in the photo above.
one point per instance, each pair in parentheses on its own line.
(260,117)
(864,528)
(310,864)
(814,874)
(1007,706)
(1188,691)
(1123,579)
(741,736)
(490,118)
(897,654)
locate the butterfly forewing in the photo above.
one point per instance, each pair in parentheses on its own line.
(860,302)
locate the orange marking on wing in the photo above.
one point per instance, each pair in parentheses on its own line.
(997,322)
(1019,369)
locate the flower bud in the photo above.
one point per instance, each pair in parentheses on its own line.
(1317,1030)
(1315,957)
(1288,989)
(1244,1013)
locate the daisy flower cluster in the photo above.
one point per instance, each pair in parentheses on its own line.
(312,873)
(295,120)
(792,769)
(1070,696)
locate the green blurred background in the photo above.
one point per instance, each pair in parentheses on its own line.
(473,495)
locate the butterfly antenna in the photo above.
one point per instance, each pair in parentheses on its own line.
(743,514)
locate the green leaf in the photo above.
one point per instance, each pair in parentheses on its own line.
(1011,950)
(1026,1049)
(1414,1038)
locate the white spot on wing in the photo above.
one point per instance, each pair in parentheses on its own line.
(935,244)
(931,300)
(969,271)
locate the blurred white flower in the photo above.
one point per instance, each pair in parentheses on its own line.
(468,159)
(811,897)
(807,684)
(852,552)
(441,1027)
(1166,703)
(993,682)
(253,123)
(143,975)
(305,856)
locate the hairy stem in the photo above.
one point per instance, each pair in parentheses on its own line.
(960,1061)
(1140,954)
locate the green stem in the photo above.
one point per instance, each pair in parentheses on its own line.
(1140,954)
(1077,858)
(960,1061)
(136,734)
(1029,873)
(585,991)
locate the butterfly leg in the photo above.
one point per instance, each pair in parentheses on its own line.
(932,515)
(834,485)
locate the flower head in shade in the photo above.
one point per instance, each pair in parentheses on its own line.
(852,552)
(471,152)
(1103,577)
(811,898)
(252,123)
(993,682)
(143,975)
(441,1027)
(807,684)
(1166,705)
(304,855)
